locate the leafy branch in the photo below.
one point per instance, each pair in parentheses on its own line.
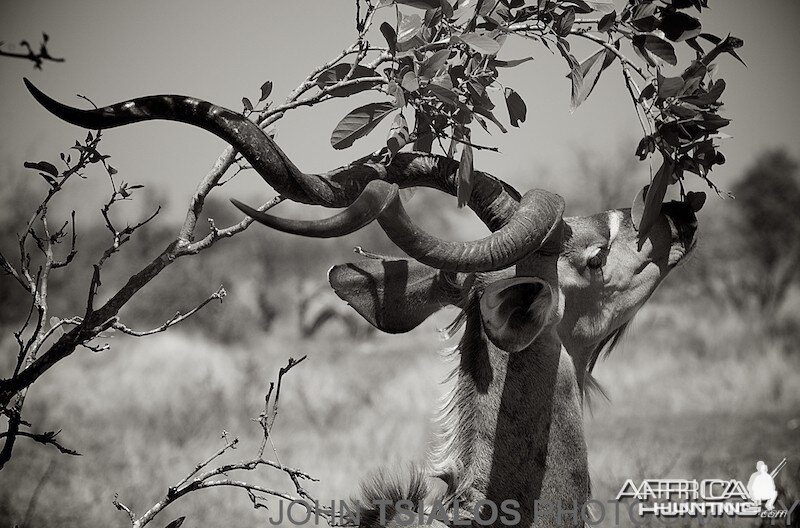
(443,67)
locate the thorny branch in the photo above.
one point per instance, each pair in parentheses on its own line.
(47,438)
(36,57)
(175,319)
(202,478)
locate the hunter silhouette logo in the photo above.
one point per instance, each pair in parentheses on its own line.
(713,497)
(761,485)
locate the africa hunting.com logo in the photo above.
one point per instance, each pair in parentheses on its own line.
(671,498)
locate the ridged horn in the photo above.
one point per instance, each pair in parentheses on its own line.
(367,207)
(492,200)
(538,214)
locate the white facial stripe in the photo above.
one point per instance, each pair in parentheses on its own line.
(614,221)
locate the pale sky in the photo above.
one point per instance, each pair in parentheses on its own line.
(222,51)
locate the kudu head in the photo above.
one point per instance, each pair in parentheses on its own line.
(540,296)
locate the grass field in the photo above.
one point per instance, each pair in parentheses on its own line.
(696,392)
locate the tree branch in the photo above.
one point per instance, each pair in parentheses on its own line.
(195,480)
(37,58)
(48,438)
(172,321)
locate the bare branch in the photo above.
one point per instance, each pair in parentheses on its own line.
(9,269)
(195,480)
(121,507)
(47,438)
(217,234)
(268,417)
(72,251)
(37,58)
(229,445)
(175,319)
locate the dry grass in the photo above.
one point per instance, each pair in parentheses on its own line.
(696,392)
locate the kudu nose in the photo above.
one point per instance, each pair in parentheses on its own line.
(684,221)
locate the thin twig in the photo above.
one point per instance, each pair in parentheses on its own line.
(172,321)
(195,480)
(48,438)
(37,58)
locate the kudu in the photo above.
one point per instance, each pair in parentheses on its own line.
(541,297)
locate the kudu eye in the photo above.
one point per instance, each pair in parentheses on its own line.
(596,261)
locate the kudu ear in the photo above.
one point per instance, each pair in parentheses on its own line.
(394,296)
(514,311)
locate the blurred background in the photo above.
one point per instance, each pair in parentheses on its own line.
(706,382)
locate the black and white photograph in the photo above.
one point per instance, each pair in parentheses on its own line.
(399,263)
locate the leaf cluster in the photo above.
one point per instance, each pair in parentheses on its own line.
(443,76)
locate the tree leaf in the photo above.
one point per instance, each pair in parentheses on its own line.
(398,135)
(394,90)
(585,76)
(494,11)
(49,179)
(607,21)
(647,145)
(647,92)
(408,28)
(176,523)
(433,64)
(359,123)
(710,97)
(423,131)
(480,43)
(390,36)
(446,96)
(652,47)
(478,95)
(489,115)
(517,110)
(410,83)
(564,23)
(679,26)
(420,4)
(637,207)
(333,75)
(578,5)
(669,86)
(44,166)
(713,122)
(447,8)
(644,17)
(465,176)
(509,63)
(654,197)
(247,104)
(443,80)
(266,89)
(601,6)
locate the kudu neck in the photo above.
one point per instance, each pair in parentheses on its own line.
(517,423)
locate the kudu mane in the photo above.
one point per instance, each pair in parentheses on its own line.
(456,418)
